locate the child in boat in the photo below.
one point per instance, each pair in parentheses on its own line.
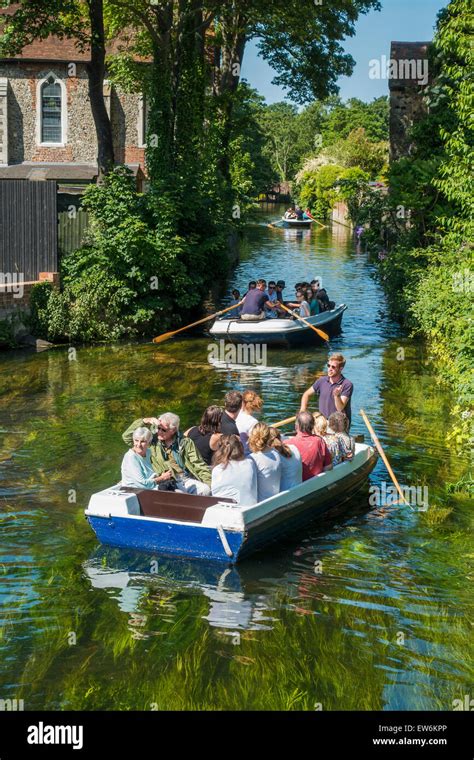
(233,475)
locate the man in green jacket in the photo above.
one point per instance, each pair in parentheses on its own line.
(173,454)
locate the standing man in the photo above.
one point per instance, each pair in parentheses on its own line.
(334,390)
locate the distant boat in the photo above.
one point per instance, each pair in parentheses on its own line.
(206,527)
(278,332)
(297,222)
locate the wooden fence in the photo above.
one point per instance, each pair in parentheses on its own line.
(28,228)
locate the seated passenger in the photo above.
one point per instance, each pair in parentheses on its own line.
(314,452)
(301,307)
(206,435)
(235,313)
(267,461)
(232,407)
(310,297)
(290,213)
(321,295)
(233,476)
(255,302)
(290,460)
(137,471)
(299,213)
(251,403)
(331,441)
(338,424)
(170,451)
(273,298)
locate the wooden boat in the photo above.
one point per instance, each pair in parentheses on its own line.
(297,223)
(283,332)
(207,527)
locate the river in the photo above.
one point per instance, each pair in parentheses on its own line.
(367,609)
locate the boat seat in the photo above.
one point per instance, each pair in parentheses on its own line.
(173,505)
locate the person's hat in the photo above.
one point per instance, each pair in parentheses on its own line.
(281,284)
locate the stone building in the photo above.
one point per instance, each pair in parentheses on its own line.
(46,126)
(409,74)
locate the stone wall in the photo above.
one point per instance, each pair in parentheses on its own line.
(81,145)
(407,104)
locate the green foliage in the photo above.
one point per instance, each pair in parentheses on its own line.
(427,222)
(344,118)
(357,150)
(318,189)
(7,339)
(38,318)
(251,167)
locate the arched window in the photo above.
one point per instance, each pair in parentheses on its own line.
(51,111)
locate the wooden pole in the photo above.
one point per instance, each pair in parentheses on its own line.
(379,448)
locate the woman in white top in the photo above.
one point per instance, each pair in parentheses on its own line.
(251,403)
(137,471)
(233,476)
(267,461)
(290,459)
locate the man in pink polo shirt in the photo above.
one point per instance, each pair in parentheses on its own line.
(315,454)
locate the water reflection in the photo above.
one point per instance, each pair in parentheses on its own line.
(129,577)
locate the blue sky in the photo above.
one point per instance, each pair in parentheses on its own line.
(404,20)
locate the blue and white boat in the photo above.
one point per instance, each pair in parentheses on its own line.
(207,527)
(278,332)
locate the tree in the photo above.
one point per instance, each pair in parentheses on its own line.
(83,22)
(279,125)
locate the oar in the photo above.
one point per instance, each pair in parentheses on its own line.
(283,422)
(379,448)
(322,334)
(165,336)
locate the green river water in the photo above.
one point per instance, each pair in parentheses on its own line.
(368,609)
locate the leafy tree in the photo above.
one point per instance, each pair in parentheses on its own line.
(358,150)
(279,124)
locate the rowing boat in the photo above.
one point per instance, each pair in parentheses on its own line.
(297,222)
(206,527)
(283,332)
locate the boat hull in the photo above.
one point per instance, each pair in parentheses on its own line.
(279,332)
(216,531)
(298,223)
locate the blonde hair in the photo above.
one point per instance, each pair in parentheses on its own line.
(259,437)
(251,402)
(320,424)
(338,358)
(277,443)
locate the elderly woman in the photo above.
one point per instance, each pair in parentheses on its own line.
(137,471)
